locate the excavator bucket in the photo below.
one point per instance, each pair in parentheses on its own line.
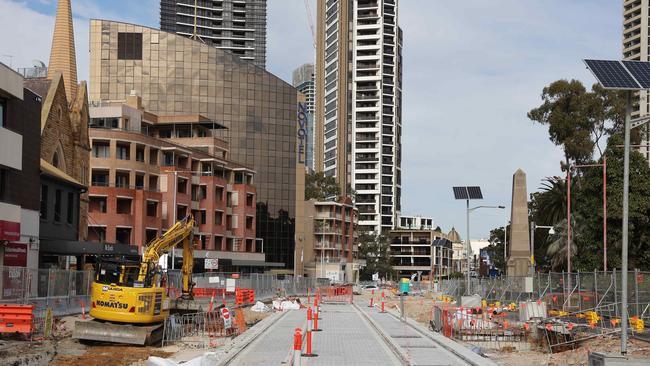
(118,333)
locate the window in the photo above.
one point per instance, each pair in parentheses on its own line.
(202,217)
(101,149)
(124,206)
(57,205)
(249,199)
(203,192)
(123,235)
(99,178)
(218,194)
(153,156)
(152,208)
(153,183)
(122,179)
(182,185)
(44,202)
(70,207)
(3,112)
(55,160)
(218,218)
(139,181)
(129,46)
(139,153)
(249,222)
(97,204)
(123,151)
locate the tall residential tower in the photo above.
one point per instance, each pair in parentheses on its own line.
(236,26)
(636,43)
(359,104)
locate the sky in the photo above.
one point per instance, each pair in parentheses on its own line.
(472,70)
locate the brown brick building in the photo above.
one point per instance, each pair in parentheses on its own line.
(148,170)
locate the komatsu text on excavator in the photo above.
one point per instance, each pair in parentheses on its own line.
(129,299)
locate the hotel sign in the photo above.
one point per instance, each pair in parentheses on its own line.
(302,132)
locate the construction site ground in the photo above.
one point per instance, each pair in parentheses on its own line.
(420,309)
(62,350)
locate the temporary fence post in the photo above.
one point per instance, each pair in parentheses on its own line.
(308,295)
(309,328)
(636,290)
(383,299)
(372,297)
(297,347)
(211,301)
(615,291)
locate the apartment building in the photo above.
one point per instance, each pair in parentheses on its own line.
(359,104)
(423,251)
(235,26)
(332,253)
(636,47)
(149,170)
(20,126)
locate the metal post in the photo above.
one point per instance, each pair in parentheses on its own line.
(626,188)
(636,290)
(469,252)
(174,214)
(568,220)
(605,213)
(505,244)
(532,248)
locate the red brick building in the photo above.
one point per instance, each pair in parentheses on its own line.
(147,171)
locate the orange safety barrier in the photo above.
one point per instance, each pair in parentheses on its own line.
(337,294)
(251,296)
(239,296)
(16,318)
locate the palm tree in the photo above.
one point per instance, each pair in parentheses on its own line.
(557,247)
(551,201)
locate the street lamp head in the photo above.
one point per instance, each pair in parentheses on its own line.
(551,231)
(501,207)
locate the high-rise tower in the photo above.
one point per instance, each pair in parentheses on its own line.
(636,43)
(62,56)
(236,26)
(359,104)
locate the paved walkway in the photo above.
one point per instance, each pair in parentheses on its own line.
(273,347)
(355,335)
(347,339)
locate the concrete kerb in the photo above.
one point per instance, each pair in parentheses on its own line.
(247,338)
(448,344)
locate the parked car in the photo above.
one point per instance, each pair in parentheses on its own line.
(370,288)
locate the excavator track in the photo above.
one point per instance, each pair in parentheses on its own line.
(94,330)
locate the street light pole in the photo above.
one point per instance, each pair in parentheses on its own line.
(469,251)
(534,227)
(626,189)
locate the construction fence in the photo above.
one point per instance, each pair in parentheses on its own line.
(574,292)
(66,292)
(559,310)
(63,291)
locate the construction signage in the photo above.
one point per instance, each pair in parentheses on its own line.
(227,319)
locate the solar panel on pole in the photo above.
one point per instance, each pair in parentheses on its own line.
(640,71)
(475,193)
(460,193)
(612,75)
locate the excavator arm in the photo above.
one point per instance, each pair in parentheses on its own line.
(181,232)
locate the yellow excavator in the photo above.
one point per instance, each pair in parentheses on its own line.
(129,299)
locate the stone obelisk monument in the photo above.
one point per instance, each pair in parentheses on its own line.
(519,243)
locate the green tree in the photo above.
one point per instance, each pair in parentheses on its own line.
(550,202)
(318,186)
(375,249)
(578,119)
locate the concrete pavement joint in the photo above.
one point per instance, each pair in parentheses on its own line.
(389,342)
(450,345)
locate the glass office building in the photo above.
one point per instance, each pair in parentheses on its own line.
(176,75)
